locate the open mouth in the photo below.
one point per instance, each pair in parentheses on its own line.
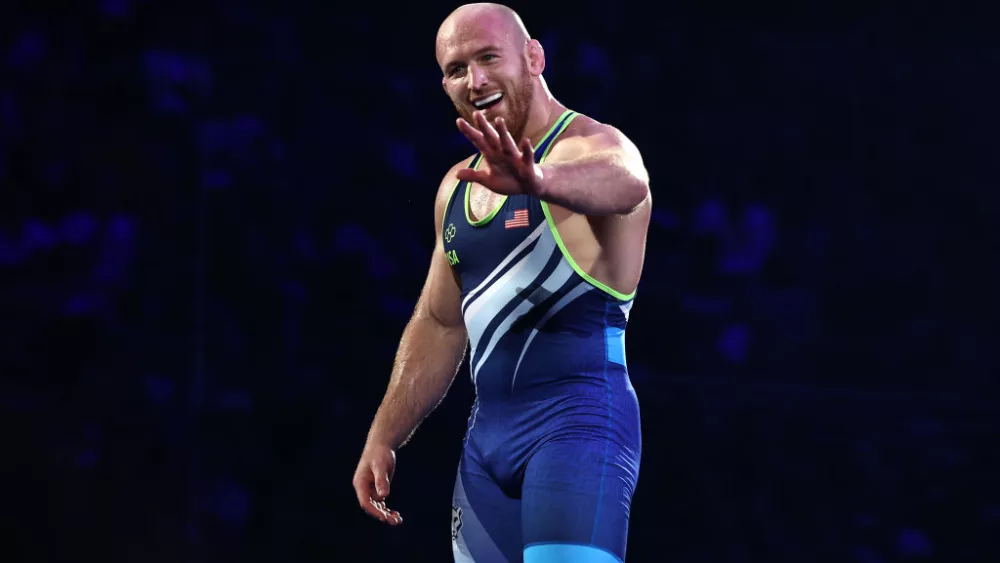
(488,101)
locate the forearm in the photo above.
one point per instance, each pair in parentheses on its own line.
(594,185)
(428,358)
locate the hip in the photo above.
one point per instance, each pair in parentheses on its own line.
(514,425)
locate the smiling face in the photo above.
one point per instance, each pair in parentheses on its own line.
(489,63)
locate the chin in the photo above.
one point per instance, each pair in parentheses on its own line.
(498,110)
(491,113)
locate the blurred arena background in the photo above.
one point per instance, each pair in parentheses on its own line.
(216,218)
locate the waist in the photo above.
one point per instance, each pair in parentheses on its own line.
(571,411)
(505,384)
(582,348)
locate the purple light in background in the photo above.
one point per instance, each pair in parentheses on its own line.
(78,228)
(734,342)
(231,503)
(710,217)
(593,60)
(216,179)
(38,236)
(122,228)
(403,159)
(913,543)
(28,50)
(115,9)
(235,400)
(159,389)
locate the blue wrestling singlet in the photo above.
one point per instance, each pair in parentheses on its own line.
(551,457)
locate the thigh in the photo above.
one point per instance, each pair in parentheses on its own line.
(485,523)
(576,499)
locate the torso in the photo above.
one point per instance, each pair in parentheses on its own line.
(519,262)
(545,297)
(546,337)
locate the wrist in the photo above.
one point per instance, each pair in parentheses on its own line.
(379,446)
(539,184)
(379,439)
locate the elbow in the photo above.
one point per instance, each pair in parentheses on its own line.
(636,189)
(636,195)
(642,191)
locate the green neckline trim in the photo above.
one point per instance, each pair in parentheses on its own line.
(552,133)
(555,133)
(468,197)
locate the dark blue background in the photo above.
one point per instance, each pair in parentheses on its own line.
(216,217)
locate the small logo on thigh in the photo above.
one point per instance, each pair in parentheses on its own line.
(456,521)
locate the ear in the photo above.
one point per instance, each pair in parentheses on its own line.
(536,57)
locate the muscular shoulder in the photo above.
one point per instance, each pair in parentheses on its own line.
(586,135)
(448,182)
(446,187)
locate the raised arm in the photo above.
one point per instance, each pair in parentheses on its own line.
(596,171)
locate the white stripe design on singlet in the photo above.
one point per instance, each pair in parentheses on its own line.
(556,279)
(560,305)
(486,283)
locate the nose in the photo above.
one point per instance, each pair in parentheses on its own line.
(477,77)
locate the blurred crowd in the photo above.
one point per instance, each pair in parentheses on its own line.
(216,219)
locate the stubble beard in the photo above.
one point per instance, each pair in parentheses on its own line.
(520,106)
(518,102)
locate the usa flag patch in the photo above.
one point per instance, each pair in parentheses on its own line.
(515,219)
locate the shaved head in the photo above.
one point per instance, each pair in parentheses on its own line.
(489,63)
(497,18)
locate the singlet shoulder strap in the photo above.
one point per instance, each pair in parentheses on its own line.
(455,190)
(543,148)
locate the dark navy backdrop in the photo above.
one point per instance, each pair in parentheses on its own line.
(216,217)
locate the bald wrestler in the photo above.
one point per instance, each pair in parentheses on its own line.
(540,243)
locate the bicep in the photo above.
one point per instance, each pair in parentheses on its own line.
(620,150)
(441,298)
(605,144)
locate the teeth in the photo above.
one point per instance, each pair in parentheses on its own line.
(488,100)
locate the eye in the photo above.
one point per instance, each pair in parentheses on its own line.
(456,70)
(489,57)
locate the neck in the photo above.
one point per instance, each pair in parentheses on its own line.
(544,112)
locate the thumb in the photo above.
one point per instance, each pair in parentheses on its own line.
(381,481)
(469,175)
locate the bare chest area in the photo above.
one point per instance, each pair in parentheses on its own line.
(482,202)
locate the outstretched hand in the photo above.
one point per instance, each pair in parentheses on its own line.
(512,169)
